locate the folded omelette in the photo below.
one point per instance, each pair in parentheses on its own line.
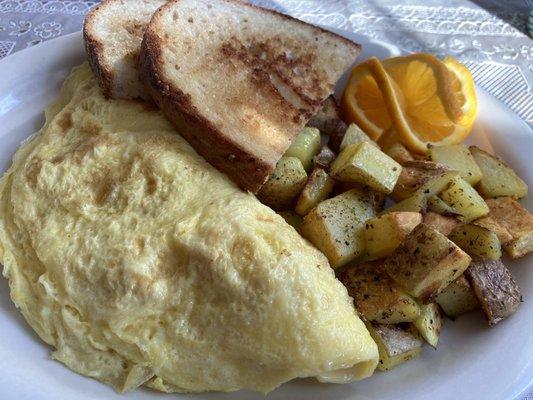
(139,263)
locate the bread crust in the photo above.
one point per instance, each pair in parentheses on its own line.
(95,50)
(247,170)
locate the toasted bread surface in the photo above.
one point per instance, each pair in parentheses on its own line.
(113,32)
(239,81)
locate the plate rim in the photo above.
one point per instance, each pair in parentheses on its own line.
(62,41)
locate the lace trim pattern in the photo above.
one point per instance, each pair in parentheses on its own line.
(491,43)
(5,47)
(46,7)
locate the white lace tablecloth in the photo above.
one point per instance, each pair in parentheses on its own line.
(490,36)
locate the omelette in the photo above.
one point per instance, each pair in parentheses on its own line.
(140,264)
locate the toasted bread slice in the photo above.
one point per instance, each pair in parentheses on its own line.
(113,33)
(238,81)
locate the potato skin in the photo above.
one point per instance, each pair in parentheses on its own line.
(426,263)
(376,297)
(491,224)
(336,136)
(399,153)
(328,119)
(517,221)
(495,288)
(324,158)
(418,200)
(441,223)
(414,175)
(395,344)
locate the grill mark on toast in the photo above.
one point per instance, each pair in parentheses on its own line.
(284,69)
(355,46)
(223,153)
(262,75)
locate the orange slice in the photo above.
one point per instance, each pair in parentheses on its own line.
(363,103)
(427,101)
(463,88)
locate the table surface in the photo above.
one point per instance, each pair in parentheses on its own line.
(489,36)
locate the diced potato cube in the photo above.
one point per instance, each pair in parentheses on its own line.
(336,226)
(477,241)
(492,225)
(498,178)
(418,201)
(497,292)
(458,158)
(517,221)
(351,135)
(328,120)
(425,263)
(395,345)
(385,233)
(318,187)
(292,219)
(324,158)
(439,206)
(305,146)
(366,164)
(438,184)
(284,185)
(416,174)
(377,198)
(429,323)
(440,223)
(399,153)
(354,135)
(464,199)
(457,298)
(377,298)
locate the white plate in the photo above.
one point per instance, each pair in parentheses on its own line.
(472,362)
